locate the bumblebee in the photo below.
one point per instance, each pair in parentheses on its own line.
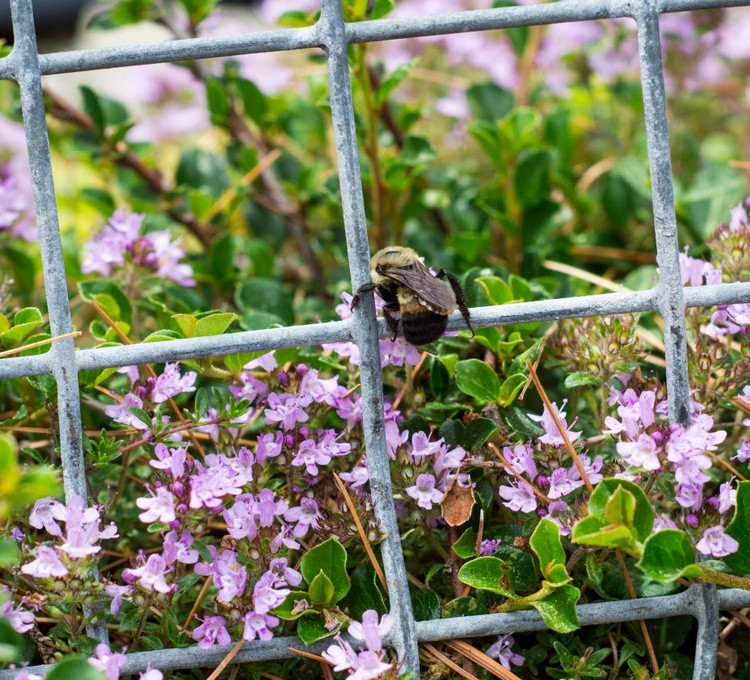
(415,298)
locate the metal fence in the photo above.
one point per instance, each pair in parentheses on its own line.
(332,34)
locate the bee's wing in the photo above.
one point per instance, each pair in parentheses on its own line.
(435,293)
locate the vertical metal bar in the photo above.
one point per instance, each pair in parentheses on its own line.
(670,300)
(25,60)
(365,332)
(705,600)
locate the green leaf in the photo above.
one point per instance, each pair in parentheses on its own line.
(532,177)
(11,642)
(715,188)
(517,420)
(643,519)
(425,604)
(76,667)
(478,380)
(215,323)
(620,508)
(265,295)
(365,593)
(381,8)
(10,553)
(464,606)
(254,101)
(668,555)
(313,628)
(330,558)
(395,78)
(510,388)
(199,169)
(739,530)
(593,530)
(546,544)
(417,151)
(581,379)
(236,362)
(489,102)
(558,609)
(25,321)
(465,546)
(321,589)
(293,606)
(489,573)
(478,432)
(90,291)
(496,290)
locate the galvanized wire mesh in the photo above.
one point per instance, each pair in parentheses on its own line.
(331,34)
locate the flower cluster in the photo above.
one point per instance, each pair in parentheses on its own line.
(645,439)
(539,466)
(77,544)
(120,242)
(368,663)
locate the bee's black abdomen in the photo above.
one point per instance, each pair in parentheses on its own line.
(424,327)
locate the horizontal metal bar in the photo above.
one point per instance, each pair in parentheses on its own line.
(365,31)
(340,331)
(682,604)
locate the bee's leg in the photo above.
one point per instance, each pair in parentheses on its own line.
(392,319)
(363,290)
(460,298)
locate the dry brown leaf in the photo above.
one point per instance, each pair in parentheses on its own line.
(457,503)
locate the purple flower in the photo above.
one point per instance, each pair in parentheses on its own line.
(690,495)
(697,272)
(212,631)
(20,619)
(367,665)
(251,388)
(284,574)
(266,596)
(501,650)
(210,484)
(151,674)
(150,575)
(170,383)
(47,564)
(743,453)
(118,594)
(422,447)
(561,483)
(727,497)
(552,435)
(521,459)
(107,662)
(23,674)
(371,630)
(424,492)
(716,543)
(158,507)
(306,515)
(269,446)
(644,452)
(46,513)
(357,478)
(178,550)
(121,412)
(230,577)
(663,522)
(489,546)
(518,497)
(285,409)
(310,456)
(258,625)
(170,459)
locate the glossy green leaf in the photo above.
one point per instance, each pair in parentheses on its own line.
(321,589)
(739,530)
(296,604)
(546,544)
(425,603)
(581,379)
(489,573)
(558,609)
(365,592)
(496,291)
(668,555)
(594,530)
(313,628)
(10,553)
(511,387)
(478,432)
(464,606)
(465,546)
(215,323)
(488,101)
(330,558)
(643,519)
(478,380)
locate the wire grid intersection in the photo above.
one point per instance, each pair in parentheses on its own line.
(333,35)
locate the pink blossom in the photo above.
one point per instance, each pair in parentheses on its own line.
(151,575)
(501,650)
(159,507)
(47,564)
(552,435)
(107,662)
(518,497)
(46,513)
(212,631)
(371,630)
(716,543)
(258,625)
(424,491)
